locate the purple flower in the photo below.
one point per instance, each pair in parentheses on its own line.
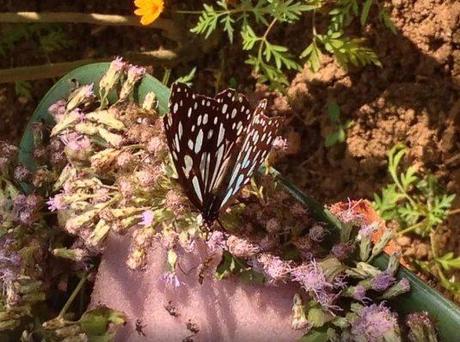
(349,215)
(342,250)
(359,293)
(56,203)
(118,64)
(241,248)
(312,278)
(147,218)
(317,233)
(21,173)
(57,110)
(273,267)
(216,241)
(382,281)
(135,73)
(171,279)
(373,323)
(367,229)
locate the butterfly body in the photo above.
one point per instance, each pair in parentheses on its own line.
(216,145)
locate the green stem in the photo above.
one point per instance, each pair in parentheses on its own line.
(73,296)
(411,228)
(263,39)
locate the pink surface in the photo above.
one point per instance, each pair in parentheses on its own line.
(225,310)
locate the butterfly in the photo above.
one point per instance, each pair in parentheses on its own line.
(216,145)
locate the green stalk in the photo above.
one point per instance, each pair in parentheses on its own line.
(73,296)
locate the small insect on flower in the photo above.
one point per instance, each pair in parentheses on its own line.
(140,327)
(172,309)
(148,10)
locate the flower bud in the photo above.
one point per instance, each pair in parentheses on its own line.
(82,96)
(397,289)
(22,174)
(421,327)
(135,73)
(299,318)
(150,101)
(111,77)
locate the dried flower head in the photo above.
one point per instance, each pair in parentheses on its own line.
(382,281)
(241,248)
(272,226)
(374,323)
(135,73)
(274,267)
(174,201)
(421,327)
(342,250)
(22,174)
(149,176)
(317,233)
(57,110)
(216,241)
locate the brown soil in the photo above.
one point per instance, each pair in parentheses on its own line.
(414,98)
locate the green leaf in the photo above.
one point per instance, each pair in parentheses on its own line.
(365,12)
(448,261)
(249,37)
(331,139)
(227,266)
(385,18)
(333,110)
(228,26)
(96,321)
(187,79)
(23,88)
(315,335)
(313,56)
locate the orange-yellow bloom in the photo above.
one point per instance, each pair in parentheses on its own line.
(148,10)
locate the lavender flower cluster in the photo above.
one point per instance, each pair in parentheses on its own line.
(106,165)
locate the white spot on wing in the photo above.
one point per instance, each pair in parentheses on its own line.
(199,141)
(188,161)
(196,187)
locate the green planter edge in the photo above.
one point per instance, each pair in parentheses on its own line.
(421,297)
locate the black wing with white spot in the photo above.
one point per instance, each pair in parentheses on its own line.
(255,148)
(201,133)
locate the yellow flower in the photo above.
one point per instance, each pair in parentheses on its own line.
(148,10)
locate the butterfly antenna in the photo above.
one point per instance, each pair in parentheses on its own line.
(220,224)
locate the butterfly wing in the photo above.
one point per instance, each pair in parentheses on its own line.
(202,133)
(257,144)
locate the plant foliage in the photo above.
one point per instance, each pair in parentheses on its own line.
(255,20)
(419,205)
